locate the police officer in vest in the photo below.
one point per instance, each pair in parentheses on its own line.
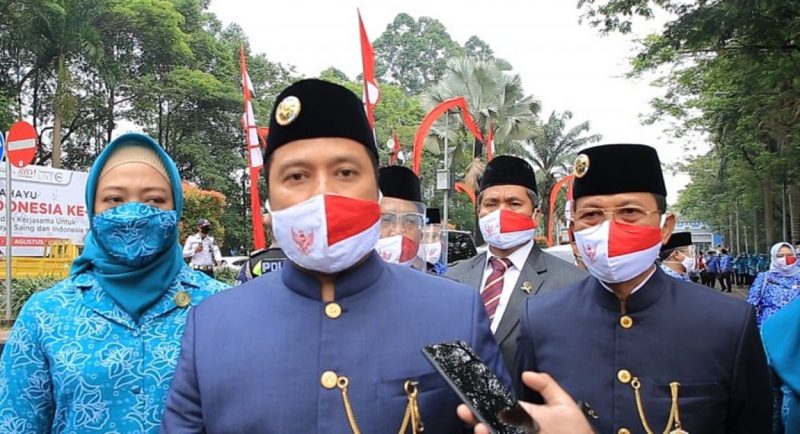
(263,261)
(201,249)
(644,350)
(331,342)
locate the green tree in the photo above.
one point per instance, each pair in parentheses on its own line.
(413,53)
(553,150)
(733,72)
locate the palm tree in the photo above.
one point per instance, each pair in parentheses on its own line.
(494,98)
(553,150)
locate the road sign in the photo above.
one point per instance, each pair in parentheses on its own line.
(21,146)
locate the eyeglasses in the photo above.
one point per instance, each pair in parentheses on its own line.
(622,214)
(409,221)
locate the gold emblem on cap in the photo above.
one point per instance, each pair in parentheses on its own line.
(581,166)
(182,299)
(287,111)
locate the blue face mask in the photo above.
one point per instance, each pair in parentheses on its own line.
(135,233)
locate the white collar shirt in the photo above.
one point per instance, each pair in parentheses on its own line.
(510,278)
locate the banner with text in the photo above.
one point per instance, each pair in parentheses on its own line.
(46,204)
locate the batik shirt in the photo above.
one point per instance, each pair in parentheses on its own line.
(77,363)
(674,274)
(771,296)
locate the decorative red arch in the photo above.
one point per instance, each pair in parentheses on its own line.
(565,181)
(435,113)
(464,188)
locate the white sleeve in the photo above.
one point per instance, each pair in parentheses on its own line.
(188,251)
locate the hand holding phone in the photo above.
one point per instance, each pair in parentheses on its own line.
(479,387)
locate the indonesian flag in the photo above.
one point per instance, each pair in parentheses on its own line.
(490,143)
(372,93)
(617,252)
(255,158)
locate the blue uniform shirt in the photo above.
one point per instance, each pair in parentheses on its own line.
(260,357)
(594,347)
(725,263)
(712,264)
(77,363)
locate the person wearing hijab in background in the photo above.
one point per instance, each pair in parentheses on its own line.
(776,288)
(96,352)
(781,336)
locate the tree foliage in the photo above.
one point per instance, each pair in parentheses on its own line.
(730,74)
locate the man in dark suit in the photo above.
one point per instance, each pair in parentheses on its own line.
(331,342)
(642,349)
(514,268)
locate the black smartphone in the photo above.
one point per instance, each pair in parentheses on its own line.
(479,387)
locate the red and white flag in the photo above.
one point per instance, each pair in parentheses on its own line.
(255,158)
(396,149)
(372,93)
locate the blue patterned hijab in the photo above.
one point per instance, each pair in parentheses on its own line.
(133,288)
(781,336)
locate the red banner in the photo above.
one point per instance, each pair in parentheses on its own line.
(464,188)
(432,116)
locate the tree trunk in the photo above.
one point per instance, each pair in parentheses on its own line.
(769,213)
(731,240)
(794,211)
(58,112)
(756,228)
(110,119)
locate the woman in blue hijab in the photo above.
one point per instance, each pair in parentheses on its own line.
(96,352)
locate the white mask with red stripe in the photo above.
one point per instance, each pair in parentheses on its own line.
(504,229)
(397,249)
(617,252)
(327,233)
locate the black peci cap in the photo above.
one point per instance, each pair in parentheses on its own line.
(678,239)
(508,170)
(315,108)
(613,169)
(399,182)
(433,216)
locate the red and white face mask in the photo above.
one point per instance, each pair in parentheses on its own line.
(327,233)
(397,249)
(504,228)
(617,252)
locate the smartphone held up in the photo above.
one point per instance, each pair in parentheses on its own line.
(479,388)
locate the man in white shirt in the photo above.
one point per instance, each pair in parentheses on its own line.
(513,268)
(201,249)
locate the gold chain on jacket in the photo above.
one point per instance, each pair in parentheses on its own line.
(674,420)
(412,415)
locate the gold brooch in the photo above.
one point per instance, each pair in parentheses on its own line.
(581,166)
(287,111)
(527,287)
(182,299)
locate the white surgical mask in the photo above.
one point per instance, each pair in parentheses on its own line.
(617,252)
(327,233)
(504,229)
(430,252)
(784,264)
(688,263)
(397,249)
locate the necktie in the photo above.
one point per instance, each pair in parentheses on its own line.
(494,285)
